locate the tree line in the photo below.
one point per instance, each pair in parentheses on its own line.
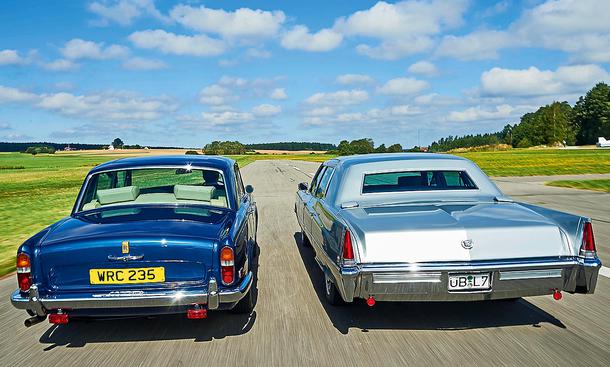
(292,146)
(555,124)
(364,146)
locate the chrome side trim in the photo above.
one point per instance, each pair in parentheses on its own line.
(472,265)
(530,274)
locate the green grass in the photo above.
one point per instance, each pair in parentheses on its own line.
(36,191)
(530,162)
(596,185)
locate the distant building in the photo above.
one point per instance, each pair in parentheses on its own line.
(68,148)
(602,142)
(111,147)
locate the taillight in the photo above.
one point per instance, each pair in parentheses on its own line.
(24,276)
(227,265)
(348,249)
(588,241)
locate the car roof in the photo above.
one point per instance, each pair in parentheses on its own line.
(210,161)
(351,160)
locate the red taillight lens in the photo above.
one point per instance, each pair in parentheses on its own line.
(227,265)
(24,278)
(348,250)
(588,241)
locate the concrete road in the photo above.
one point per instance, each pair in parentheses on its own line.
(293,326)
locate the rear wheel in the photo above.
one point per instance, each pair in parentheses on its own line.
(331,292)
(246,304)
(304,240)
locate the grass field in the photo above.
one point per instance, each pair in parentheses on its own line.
(35,191)
(596,185)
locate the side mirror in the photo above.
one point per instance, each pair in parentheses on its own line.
(303,186)
(249,189)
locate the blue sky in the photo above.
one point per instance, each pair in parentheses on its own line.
(186,73)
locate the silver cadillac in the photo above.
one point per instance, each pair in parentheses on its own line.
(433,227)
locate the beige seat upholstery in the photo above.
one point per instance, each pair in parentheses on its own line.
(118,195)
(198,193)
(93,204)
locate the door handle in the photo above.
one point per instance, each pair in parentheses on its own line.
(125,258)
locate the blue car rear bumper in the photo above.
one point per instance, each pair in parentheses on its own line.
(212,298)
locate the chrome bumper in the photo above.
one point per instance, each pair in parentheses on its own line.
(429,281)
(132,299)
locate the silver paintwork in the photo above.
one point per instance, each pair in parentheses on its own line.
(212,298)
(406,244)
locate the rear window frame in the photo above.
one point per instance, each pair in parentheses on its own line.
(78,205)
(362,192)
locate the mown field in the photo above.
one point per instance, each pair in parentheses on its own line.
(37,190)
(596,185)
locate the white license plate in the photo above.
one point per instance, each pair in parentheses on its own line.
(469,282)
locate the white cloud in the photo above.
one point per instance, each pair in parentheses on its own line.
(348,79)
(299,38)
(266,110)
(404,28)
(479,45)
(278,94)
(10,57)
(339,98)
(403,87)
(61,65)
(536,82)
(230,89)
(392,114)
(80,49)
(216,95)
(124,12)
(480,113)
(139,63)
(115,106)
(241,23)
(170,43)
(226,117)
(423,68)
(575,27)
(8,94)
(256,53)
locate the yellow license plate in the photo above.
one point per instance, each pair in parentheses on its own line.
(127,276)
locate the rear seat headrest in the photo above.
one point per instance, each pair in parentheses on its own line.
(118,195)
(188,192)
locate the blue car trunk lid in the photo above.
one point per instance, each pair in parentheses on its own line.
(184,248)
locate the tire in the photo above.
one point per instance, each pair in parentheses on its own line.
(245,305)
(331,292)
(304,240)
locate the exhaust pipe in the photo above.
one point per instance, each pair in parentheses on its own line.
(34,320)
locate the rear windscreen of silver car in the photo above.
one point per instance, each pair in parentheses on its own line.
(417,181)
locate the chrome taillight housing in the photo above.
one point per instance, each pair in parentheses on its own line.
(587,248)
(227,265)
(24,272)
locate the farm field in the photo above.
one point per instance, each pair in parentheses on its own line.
(37,190)
(596,185)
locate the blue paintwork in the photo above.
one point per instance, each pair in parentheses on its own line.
(186,245)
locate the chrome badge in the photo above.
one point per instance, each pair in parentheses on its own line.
(467,244)
(125,247)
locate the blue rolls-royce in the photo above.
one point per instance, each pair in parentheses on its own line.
(148,235)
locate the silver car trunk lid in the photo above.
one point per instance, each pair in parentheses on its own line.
(454,232)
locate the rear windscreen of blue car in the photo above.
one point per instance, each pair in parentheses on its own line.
(416,181)
(153,186)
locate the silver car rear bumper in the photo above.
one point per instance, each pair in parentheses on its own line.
(212,298)
(429,281)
